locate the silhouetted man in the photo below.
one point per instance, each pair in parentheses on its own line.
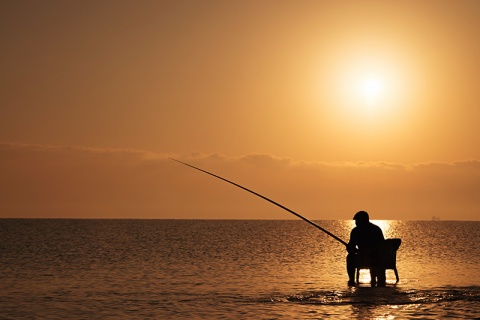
(366,240)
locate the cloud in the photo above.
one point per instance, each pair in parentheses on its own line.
(69,181)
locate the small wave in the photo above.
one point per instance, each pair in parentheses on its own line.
(379,296)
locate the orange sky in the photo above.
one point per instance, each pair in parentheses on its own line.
(328,107)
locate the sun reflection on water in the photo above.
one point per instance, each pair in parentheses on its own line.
(384,225)
(389,227)
(364,276)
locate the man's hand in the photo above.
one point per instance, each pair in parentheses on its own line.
(352,249)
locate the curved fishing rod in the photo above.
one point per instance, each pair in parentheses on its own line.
(265,198)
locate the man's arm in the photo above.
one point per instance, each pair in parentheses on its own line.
(352,243)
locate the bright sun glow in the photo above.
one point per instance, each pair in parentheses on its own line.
(372,89)
(371,94)
(368,87)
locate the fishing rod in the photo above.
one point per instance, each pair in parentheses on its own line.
(265,198)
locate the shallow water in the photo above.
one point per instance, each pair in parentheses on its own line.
(217,269)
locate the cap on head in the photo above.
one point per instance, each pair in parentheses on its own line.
(361,216)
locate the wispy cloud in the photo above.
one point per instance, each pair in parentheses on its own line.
(71,181)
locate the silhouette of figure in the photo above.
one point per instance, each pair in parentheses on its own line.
(366,240)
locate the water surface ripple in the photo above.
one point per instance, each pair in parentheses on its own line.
(218,269)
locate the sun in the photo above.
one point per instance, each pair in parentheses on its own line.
(364,90)
(372,88)
(368,86)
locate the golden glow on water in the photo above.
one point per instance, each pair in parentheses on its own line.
(385,225)
(364,276)
(278,266)
(388,226)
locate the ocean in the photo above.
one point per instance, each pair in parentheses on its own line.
(230,269)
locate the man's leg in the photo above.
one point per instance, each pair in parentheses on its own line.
(351,267)
(373,276)
(378,272)
(382,279)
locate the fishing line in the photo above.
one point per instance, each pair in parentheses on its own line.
(265,198)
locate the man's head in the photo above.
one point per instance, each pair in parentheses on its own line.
(361,218)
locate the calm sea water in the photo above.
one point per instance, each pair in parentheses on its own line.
(223,269)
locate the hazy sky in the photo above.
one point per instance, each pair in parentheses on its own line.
(328,107)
